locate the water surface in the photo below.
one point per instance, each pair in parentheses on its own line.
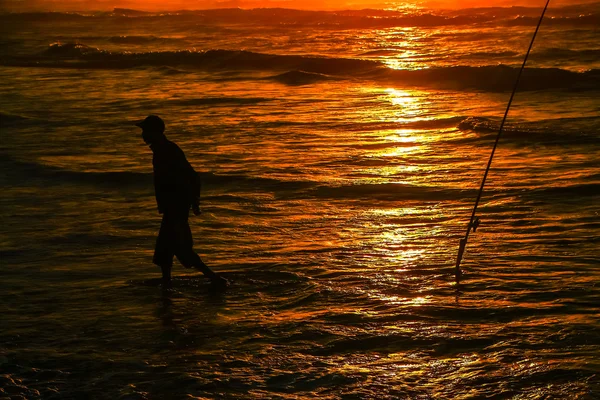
(341,156)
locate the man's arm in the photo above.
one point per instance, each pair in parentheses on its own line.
(194,185)
(191,180)
(159,194)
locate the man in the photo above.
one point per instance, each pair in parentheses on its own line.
(177,189)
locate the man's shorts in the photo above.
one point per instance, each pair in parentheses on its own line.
(175,239)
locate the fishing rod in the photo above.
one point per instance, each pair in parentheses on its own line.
(474,221)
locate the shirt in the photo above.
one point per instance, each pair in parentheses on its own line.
(176,183)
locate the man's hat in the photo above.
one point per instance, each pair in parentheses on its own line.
(153,122)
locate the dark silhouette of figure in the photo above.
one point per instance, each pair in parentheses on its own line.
(177,189)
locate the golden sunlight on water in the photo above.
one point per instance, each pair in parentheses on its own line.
(405,144)
(410,103)
(333,201)
(407,62)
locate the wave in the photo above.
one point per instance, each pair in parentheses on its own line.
(569,193)
(16,169)
(301,78)
(543,133)
(225,101)
(13,119)
(486,55)
(70,50)
(129,12)
(549,54)
(41,16)
(350,19)
(166,70)
(589,55)
(121,39)
(379,53)
(392,192)
(301,70)
(437,123)
(79,55)
(581,20)
(133,39)
(18,173)
(496,78)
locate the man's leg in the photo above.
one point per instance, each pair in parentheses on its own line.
(200,266)
(163,252)
(189,258)
(166,273)
(215,278)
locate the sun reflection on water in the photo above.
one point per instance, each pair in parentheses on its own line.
(406,61)
(399,243)
(405,301)
(409,102)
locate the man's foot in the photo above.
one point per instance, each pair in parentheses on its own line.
(219,282)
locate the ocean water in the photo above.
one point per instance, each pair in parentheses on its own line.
(341,155)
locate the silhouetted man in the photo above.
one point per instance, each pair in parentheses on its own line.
(177,189)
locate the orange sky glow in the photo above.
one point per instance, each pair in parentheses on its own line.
(151,5)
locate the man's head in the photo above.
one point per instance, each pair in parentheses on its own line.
(153,129)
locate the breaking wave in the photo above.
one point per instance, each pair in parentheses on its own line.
(128,180)
(543,133)
(70,50)
(300,70)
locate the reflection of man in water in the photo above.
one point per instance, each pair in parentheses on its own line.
(177,189)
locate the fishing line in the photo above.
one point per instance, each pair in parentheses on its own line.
(474,222)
